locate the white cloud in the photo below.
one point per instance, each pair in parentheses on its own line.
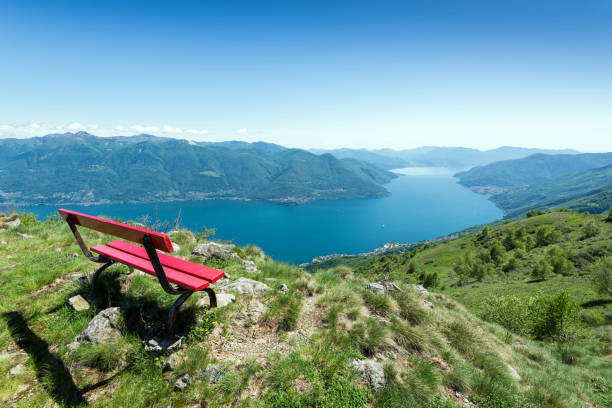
(143,129)
(75,126)
(119,127)
(6,127)
(197,132)
(242,130)
(170,129)
(34,126)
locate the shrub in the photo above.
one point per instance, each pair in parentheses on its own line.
(546,235)
(534,213)
(609,217)
(430,280)
(510,265)
(591,229)
(559,261)
(541,269)
(602,276)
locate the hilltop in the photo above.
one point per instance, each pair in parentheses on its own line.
(336,338)
(82,168)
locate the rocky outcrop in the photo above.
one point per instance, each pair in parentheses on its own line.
(382,287)
(223,299)
(78,303)
(215,250)
(163,344)
(103,328)
(421,289)
(250,266)
(245,286)
(371,372)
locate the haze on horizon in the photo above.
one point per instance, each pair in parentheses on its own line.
(313,75)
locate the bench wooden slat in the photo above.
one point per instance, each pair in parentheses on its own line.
(118,229)
(200,271)
(182,279)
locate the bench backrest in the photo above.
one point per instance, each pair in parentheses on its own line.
(117,229)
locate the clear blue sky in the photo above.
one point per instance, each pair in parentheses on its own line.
(313,74)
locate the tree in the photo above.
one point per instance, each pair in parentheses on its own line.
(497,252)
(591,229)
(546,235)
(484,233)
(559,261)
(541,270)
(609,219)
(602,276)
(510,265)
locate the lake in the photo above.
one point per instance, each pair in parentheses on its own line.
(425,203)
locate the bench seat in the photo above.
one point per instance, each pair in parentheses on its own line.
(183,273)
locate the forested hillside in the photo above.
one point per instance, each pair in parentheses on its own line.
(81,168)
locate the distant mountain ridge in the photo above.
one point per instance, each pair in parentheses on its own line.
(457,158)
(83,168)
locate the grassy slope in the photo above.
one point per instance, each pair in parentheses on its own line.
(326,320)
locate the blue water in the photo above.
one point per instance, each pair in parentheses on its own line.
(424,204)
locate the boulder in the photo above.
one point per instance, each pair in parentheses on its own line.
(371,372)
(183,382)
(421,289)
(163,344)
(250,266)
(375,287)
(245,286)
(428,305)
(103,328)
(172,362)
(223,299)
(252,313)
(215,250)
(283,288)
(78,303)
(213,373)
(19,369)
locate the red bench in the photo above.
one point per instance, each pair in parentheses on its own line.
(187,276)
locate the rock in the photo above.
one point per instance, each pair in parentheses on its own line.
(421,289)
(175,246)
(24,236)
(251,314)
(250,266)
(513,373)
(371,372)
(245,286)
(223,299)
(183,382)
(428,305)
(19,369)
(270,280)
(213,373)
(13,224)
(78,303)
(159,345)
(215,250)
(103,328)
(375,287)
(390,286)
(73,255)
(172,362)
(283,288)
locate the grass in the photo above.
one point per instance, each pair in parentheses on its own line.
(430,354)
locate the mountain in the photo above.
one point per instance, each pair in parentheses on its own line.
(533,169)
(339,337)
(80,167)
(457,158)
(589,190)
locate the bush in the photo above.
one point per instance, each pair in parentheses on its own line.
(602,276)
(430,280)
(559,261)
(534,213)
(591,229)
(541,269)
(546,235)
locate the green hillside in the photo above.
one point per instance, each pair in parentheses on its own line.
(589,190)
(324,339)
(533,169)
(78,168)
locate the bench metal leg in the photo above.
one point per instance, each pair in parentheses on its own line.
(212,297)
(174,310)
(99,271)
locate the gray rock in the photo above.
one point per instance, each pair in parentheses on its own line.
(252,313)
(421,289)
(14,224)
(270,280)
(371,372)
(183,382)
(103,328)
(513,373)
(375,287)
(250,266)
(19,369)
(428,305)
(78,303)
(24,236)
(390,286)
(172,362)
(283,288)
(215,250)
(223,299)
(213,373)
(245,286)
(159,345)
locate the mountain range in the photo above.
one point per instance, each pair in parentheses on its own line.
(83,168)
(457,158)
